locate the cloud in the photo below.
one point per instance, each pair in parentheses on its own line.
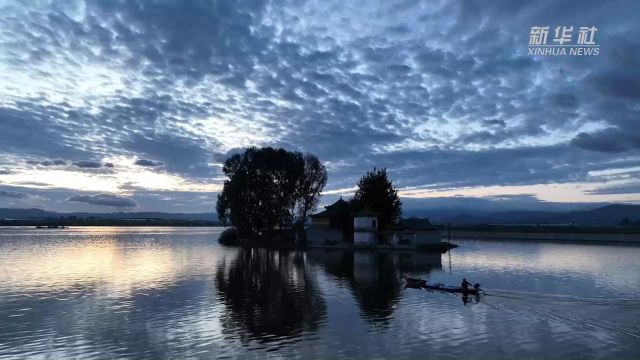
(144,162)
(564,100)
(104,200)
(494,122)
(513,197)
(631,188)
(180,153)
(610,140)
(87,164)
(443,95)
(53,162)
(12,194)
(617,84)
(108,165)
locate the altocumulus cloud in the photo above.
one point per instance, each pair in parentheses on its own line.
(87,164)
(104,200)
(435,92)
(57,162)
(145,162)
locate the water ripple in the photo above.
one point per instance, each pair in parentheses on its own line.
(174,293)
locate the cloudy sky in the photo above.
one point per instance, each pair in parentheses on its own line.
(133,105)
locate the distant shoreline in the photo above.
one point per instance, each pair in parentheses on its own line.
(505,233)
(112,222)
(558,237)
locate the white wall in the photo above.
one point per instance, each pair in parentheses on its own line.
(364,238)
(365,222)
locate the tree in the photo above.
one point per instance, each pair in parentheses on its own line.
(376,193)
(310,187)
(264,188)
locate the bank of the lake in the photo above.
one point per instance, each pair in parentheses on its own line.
(573,237)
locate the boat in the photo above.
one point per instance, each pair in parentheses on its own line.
(420,283)
(413,282)
(454,289)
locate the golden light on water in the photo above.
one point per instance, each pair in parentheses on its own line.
(98,259)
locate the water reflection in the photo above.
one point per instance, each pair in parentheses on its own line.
(470,299)
(104,293)
(374,277)
(268,295)
(175,293)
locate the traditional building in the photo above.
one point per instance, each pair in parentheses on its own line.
(340,225)
(365,228)
(330,226)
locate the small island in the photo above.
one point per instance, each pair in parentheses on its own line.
(270,193)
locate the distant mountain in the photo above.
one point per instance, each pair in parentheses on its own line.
(609,215)
(29,214)
(9,213)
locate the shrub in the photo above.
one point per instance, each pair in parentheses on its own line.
(229,236)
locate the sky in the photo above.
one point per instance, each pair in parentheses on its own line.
(134,105)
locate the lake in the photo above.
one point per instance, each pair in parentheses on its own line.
(136,293)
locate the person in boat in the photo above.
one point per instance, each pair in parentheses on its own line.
(465,284)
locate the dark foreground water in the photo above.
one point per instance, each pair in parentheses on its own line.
(175,293)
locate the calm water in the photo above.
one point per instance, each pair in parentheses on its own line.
(175,293)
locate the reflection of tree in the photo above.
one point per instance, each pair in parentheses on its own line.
(376,285)
(374,277)
(268,295)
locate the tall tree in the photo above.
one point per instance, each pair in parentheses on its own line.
(377,193)
(310,187)
(263,189)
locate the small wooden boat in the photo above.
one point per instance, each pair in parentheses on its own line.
(413,282)
(454,289)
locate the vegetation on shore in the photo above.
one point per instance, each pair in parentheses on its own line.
(270,193)
(377,193)
(229,236)
(269,189)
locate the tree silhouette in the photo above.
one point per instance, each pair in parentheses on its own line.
(311,185)
(376,193)
(265,186)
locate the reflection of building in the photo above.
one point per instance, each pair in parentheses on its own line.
(374,277)
(365,267)
(340,224)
